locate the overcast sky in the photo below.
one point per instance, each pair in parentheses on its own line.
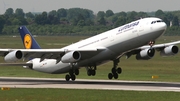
(94,5)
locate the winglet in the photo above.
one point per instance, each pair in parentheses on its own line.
(27,38)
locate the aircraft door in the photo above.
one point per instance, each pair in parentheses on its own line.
(140,29)
(112,37)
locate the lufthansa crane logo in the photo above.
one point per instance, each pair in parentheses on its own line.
(27,41)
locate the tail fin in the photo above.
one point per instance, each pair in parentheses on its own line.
(27,39)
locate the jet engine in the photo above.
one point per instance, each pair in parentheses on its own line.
(13,56)
(71,57)
(170,50)
(145,54)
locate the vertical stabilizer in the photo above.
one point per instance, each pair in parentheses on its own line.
(28,41)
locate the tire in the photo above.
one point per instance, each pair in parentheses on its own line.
(67,77)
(110,76)
(115,76)
(89,72)
(93,72)
(76,71)
(119,70)
(73,77)
(113,70)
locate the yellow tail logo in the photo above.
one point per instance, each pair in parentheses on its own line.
(27,41)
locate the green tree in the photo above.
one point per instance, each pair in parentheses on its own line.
(2,20)
(74,21)
(109,13)
(89,22)
(121,21)
(19,12)
(16,21)
(62,13)
(81,23)
(114,18)
(131,16)
(102,21)
(53,19)
(123,14)
(9,12)
(169,16)
(166,21)
(80,17)
(100,14)
(142,15)
(30,15)
(78,14)
(42,19)
(159,13)
(53,13)
(175,21)
(72,13)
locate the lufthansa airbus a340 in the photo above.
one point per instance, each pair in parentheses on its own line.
(135,38)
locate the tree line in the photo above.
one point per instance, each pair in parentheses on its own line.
(78,21)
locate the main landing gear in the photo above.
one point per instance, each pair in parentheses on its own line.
(115,71)
(91,70)
(72,74)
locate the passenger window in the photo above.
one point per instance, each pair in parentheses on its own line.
(153,22)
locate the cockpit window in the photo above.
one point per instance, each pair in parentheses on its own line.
(157,21)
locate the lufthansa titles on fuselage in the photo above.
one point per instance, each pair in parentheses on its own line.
(128,26)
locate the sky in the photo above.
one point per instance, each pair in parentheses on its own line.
(94,5)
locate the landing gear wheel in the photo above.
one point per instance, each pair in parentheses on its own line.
(113,70)
(89,72)
(115,76)
(119,70)
(110,76)
(93,72)
(76,71)
(73,77)
(67,77)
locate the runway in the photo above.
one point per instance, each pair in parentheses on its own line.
(23,82)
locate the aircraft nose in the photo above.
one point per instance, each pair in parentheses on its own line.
(164,26)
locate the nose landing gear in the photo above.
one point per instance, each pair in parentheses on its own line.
(151,43)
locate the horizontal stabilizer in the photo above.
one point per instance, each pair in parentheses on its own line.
(15,64)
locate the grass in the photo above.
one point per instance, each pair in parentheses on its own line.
(168,69)
(84,95)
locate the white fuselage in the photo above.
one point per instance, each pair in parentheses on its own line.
(115,42)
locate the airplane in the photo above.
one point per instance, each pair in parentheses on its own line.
(135,38)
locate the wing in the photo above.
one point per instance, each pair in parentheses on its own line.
(165,49)
(26,54)
(160,46)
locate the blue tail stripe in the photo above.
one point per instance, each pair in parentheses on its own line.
(23,32)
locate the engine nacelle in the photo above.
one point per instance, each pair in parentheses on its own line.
(145,54)
(170,50)
(71,57)
(13,56)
